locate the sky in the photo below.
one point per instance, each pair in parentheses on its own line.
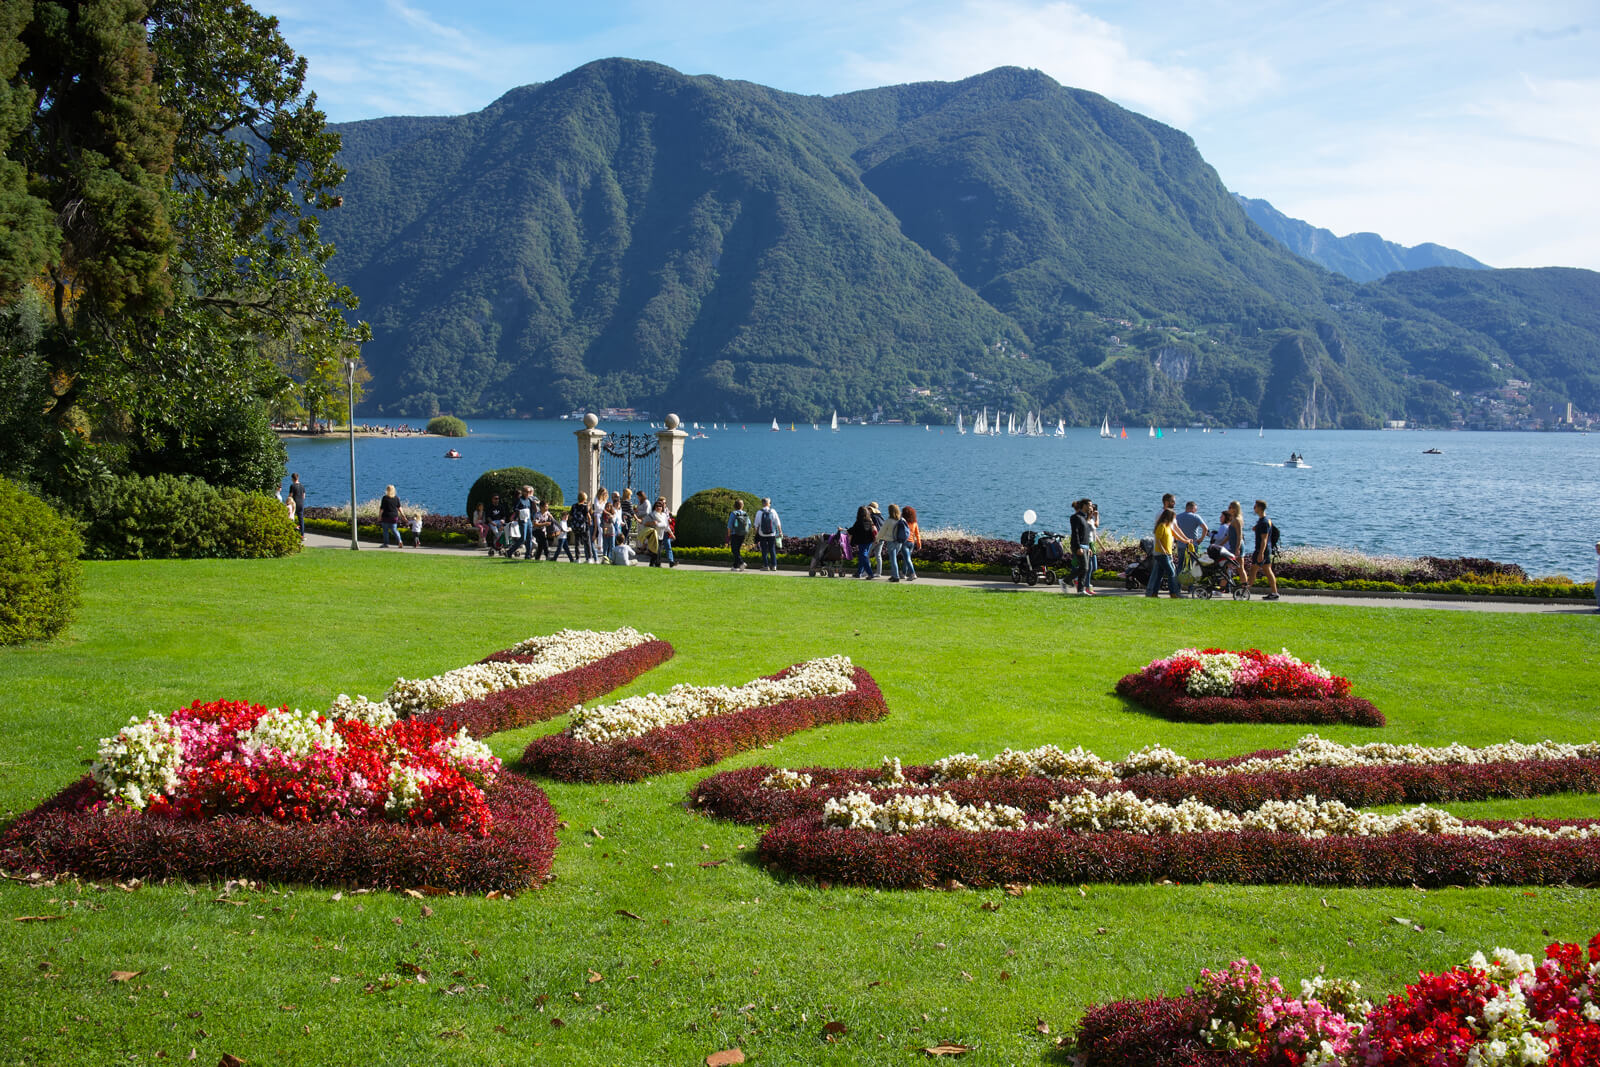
(1472,124)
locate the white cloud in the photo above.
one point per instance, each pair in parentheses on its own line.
(1072,46)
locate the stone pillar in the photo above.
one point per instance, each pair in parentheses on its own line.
(670,445)
(589,439)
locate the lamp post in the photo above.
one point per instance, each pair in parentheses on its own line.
(350,423)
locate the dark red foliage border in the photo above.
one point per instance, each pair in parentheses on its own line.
(737,795)
(509,709)
(1181,707)
(701,742)
(805,847)
(60,836)
(1158,1032)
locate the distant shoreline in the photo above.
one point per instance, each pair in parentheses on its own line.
(307,435)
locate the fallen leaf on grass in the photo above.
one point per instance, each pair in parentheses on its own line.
(427,912)
(990,905)
(947,1050)
(1042,1027)
(596,976)
(414,893)
(1005,976)
(835,1028)
(1016,889)
(556,1022)
(626,914)
(37,918)
(125,976)
(598,836)
(725,1058)
(230,1060)
(713,863)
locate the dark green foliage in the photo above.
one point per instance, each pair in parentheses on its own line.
(508,481)
(447,426)
(689,243)
(40,575)
(178,517)
(702,521)
(236,450)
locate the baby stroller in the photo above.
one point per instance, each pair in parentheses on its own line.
(1218,574)
(507,540)
(1136,575)
(1041,554)
(832,554)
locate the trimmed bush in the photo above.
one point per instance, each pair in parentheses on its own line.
(703,518)
(447,426)
(40,576)
(254,526)
(178,517)
(508,481)
(67,834)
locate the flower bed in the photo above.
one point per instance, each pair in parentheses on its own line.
(236,788)
(697,726)
(1503,1009)
(1358,775)
(1216,685)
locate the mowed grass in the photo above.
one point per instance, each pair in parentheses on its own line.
(724,955)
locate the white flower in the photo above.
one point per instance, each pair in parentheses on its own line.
(295,733)
(907,812)
(375,715)
(785,779)
(141,762)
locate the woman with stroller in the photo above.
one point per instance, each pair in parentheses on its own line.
(862,534)
(1165,534)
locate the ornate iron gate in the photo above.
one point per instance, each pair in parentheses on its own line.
(624,465)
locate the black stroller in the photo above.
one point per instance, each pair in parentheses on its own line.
(832,554)
(1040,556)
(1136,575)
(507,540)
(1218,575)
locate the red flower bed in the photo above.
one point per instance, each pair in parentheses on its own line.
(935,856)
(738,795)
(1159,1032)
(509,709)
(701,742)
(63,835)
(1179,706)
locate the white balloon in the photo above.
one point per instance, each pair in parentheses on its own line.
(1030,517)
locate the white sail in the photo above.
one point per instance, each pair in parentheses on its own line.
(774,425)
(1262,432)
(1061,427)
(835,425)
(1152,431)
(1105,426)
(959,428)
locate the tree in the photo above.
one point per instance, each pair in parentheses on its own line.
(28,237)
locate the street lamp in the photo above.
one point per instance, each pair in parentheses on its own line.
(350,422)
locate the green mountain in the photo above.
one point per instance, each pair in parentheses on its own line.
(1364,257)
(628,235)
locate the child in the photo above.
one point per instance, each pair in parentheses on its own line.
(416,530)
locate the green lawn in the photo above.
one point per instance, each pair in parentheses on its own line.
(719,955)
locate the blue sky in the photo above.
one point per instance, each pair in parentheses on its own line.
(1473,124)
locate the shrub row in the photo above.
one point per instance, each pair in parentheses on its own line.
(174,517)
(63,836)
(737,795)
(509,709)
(1181,707)
(700,742)
(805,847)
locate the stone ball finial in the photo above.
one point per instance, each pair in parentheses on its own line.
(672,422)
(590,421)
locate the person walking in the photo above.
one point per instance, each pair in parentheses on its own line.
(1597,577)
(544,525)
(390,515)
(579,520)
(1161,562)
(625,512)
(862,533)
(882,531)
(1261,557)
(608,531)
(416,529)
(899,538)
(525,506)
(1078,545)
(769,530)
(738,530)
(1194,530)
(913,545)
(297,497)
(661,520)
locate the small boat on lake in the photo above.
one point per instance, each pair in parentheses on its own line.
(1432,452)
(1296,460)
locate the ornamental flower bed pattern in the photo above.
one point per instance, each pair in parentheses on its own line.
(1501,1009)
(247,791)
(1216,685)
(1357,775)
(698,726)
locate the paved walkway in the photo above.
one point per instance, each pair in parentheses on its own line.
(992,584)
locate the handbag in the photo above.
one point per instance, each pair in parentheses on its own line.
(778,544)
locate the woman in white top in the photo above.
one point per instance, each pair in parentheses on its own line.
(661,522)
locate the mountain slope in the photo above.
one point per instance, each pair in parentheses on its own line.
(1363,257)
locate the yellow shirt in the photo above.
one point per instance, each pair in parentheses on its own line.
(1164,539)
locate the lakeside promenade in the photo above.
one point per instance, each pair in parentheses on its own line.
(996,584)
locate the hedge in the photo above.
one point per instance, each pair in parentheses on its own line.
(508,481)
(702,520)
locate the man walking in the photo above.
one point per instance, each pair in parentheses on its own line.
(738,529)
(1266,547)
(297,493)
(1194,530)
(768,529)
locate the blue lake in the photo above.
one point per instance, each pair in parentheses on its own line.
(1521,497)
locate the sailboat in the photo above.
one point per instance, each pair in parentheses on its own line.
(1061,427)
(1158,433)
(981,425)
(774,425)
(1124,433)
(959,428)
(791,427)
(1105,426)
(835,425)
(1262,432)
(1152,431)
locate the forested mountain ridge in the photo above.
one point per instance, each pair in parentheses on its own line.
(1363,257)
(625,234)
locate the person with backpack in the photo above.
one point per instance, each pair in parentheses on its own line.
(1267,536)
(769,531)
(899,542)
(738,530)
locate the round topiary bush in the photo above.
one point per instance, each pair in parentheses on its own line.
(507,481)
(40,576)
(703,518)
(447,426)
(254,526)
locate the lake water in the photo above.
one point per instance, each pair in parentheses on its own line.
(1520,497)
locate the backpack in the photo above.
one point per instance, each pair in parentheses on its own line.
(766,522)
(902,531)
(739,523)
(1273,535)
